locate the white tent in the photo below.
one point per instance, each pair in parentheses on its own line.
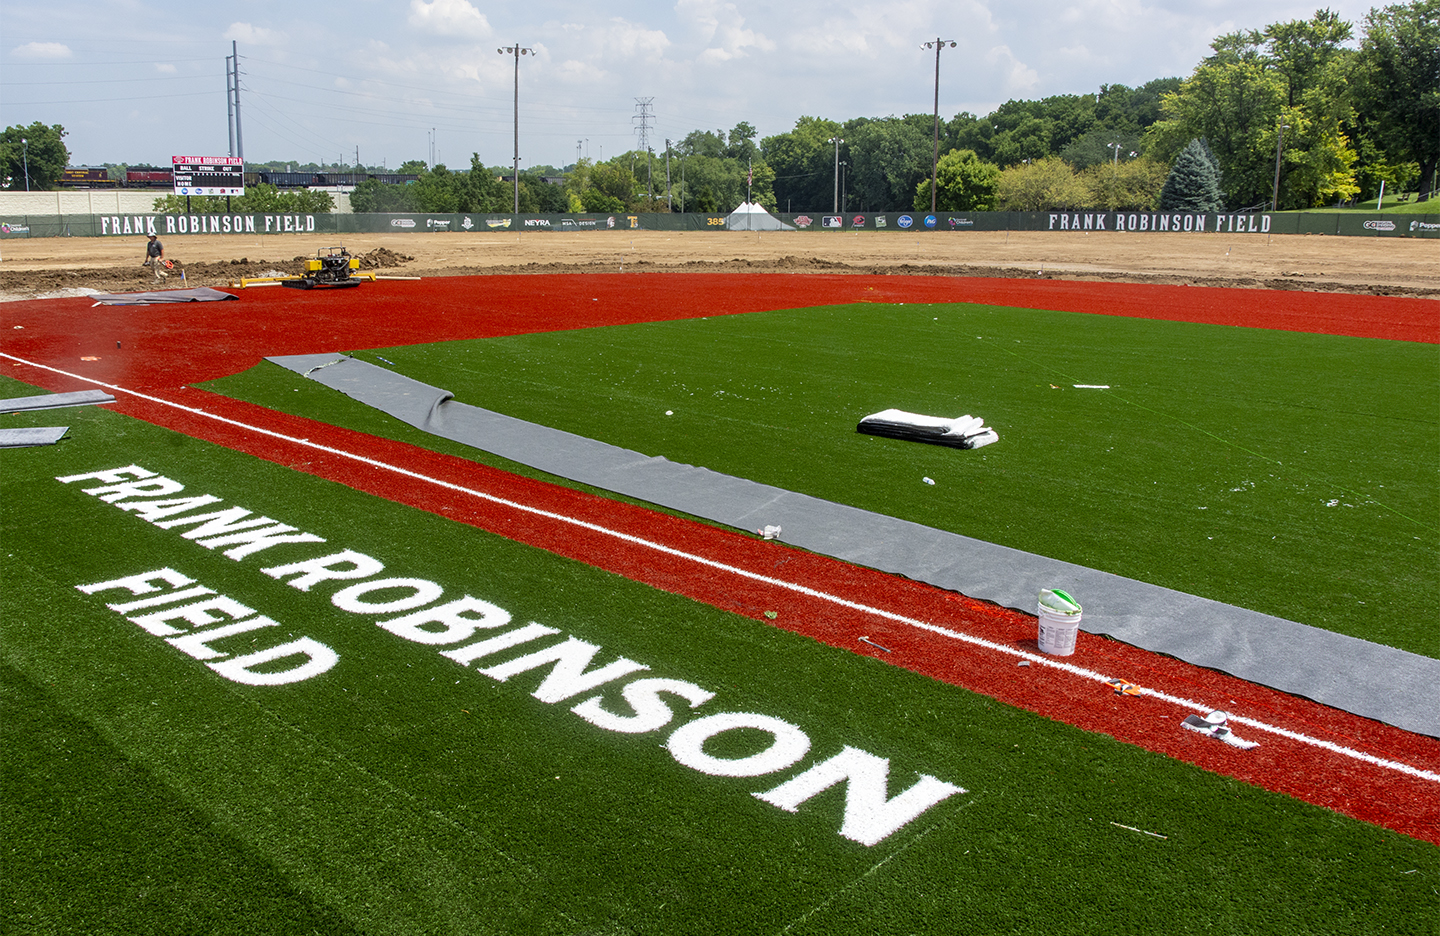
(751,217)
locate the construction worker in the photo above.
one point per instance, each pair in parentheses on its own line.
(155,258)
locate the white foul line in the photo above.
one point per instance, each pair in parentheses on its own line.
(1036,658)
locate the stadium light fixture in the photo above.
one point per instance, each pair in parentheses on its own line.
(517,51)
(837,141)
(937,45)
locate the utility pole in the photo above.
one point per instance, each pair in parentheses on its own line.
(1279,140)
(239,136)
(669,198)
(937,45)
(517,51)
(837,141)
(230,100)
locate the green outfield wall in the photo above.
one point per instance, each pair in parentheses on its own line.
(1346,224)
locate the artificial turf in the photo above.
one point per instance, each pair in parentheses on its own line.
(1279,471)
(399,793)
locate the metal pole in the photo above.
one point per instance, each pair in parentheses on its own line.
(25,155)
(1275,197)
(935,161)
(669,196)
(835,209)
(239,135)
(230,103)
(517,128)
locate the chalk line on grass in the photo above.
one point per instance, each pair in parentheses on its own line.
(960,636)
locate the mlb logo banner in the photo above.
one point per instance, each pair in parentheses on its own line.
(832,221)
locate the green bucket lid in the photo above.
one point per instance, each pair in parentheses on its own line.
(1053,599)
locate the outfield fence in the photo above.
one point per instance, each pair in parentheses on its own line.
(1347,224)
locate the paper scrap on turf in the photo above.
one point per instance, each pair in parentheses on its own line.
(965,432)
(1122,687)
(1214,726)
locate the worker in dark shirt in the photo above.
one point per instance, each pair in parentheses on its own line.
(155,258)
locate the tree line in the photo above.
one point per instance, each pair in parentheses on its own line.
(1336,111)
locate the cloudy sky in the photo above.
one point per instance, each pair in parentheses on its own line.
(139,81)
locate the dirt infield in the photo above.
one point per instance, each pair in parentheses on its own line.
(36,267)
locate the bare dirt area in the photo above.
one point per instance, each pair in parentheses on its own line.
(38,267)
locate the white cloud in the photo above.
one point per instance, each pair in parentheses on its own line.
(1016,78)
(42,50)
(165,68)
(723,30)
(254,35)
(456,18)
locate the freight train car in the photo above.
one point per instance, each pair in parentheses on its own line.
(86,177)
(149,177)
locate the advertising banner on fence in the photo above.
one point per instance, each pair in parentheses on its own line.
(1343,223)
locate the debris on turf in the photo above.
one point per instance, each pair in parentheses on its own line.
(1122,687)
(1141,831)
(769,531)
(1215,726)
(772,615)
(875,645)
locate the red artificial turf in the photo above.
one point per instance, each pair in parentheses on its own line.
(162,348)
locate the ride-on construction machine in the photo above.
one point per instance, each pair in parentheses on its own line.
(330,269)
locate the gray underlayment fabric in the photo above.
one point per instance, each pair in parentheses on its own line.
(25,438)
(54,401)
(1368,679)
(198,294)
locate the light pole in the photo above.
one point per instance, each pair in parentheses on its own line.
(837,141)
(937,45)
(25,155)
(844,196)
(1279,141)
(516,51)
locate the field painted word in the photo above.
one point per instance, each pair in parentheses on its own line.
(164,607)
(420,611)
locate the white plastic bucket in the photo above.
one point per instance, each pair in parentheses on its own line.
(1059,622)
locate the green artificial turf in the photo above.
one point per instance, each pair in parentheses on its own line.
(1289,473)
(398,793)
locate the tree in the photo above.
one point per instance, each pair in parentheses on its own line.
(1238,100)
(1399,84)
(963,182)
(1040,185)
(42,157)
(804,164)
(1129,185)
(259,199)
(375,197)
(1193,183)
(887,160)
(742,143)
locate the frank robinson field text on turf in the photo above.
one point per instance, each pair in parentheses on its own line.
(166,602)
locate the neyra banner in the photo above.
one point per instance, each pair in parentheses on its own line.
(208,175)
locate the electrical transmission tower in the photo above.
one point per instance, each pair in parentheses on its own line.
(643,118)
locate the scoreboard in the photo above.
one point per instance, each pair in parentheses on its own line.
(209,175)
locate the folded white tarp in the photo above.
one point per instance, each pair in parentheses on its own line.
(966,432)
